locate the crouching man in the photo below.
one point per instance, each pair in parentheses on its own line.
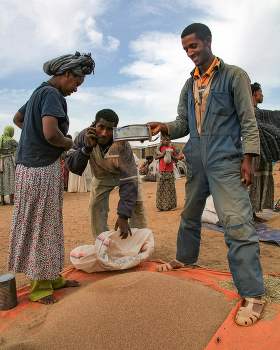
(112,164)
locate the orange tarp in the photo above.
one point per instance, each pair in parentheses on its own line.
(264,335)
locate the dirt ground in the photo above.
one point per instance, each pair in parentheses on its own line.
(164,225)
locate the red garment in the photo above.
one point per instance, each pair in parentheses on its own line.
(162,165)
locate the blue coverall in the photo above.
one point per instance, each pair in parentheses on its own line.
(213,161)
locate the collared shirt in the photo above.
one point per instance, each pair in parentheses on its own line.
(201,87)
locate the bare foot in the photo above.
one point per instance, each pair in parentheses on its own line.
(71,283)
(173,209)
(48,300)
(159,210)
(257,218)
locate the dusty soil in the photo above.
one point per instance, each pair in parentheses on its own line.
(164,226)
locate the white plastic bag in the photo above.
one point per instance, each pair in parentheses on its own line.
(167,157)
(209,214)
(111,252)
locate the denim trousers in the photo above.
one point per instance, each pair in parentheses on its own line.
(233,207)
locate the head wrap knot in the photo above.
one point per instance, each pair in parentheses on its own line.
(78,64)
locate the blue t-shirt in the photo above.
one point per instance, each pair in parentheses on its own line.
(33,149)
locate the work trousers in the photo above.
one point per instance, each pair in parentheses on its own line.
(233,207)
(99,205)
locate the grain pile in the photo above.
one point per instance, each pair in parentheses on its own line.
(137,310)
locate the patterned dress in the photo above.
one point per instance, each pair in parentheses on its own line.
(261,191)
(166,197)
(36,245)
(7,167)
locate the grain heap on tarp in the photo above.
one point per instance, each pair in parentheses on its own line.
(138,310)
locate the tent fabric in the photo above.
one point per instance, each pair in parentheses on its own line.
(264,335)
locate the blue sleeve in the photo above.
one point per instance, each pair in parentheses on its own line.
(53,106)
(22,109)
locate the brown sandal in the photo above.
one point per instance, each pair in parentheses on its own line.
(167,267)
(246,316)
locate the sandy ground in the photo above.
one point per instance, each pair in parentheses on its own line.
(164,226)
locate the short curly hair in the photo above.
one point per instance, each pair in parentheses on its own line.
(107,114)
(200,30)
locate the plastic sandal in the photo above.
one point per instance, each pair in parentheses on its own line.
(246,316)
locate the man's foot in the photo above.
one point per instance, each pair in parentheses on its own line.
(250,312)
(173,265)
(71,283)
(258,219)
(159,209)
(3,203)
(173,209)
(48,300)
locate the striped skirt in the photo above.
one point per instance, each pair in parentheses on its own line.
(36,245)
(166,197)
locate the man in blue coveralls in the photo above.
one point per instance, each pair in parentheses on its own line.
(215,108)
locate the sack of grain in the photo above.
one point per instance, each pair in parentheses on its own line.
(111,252)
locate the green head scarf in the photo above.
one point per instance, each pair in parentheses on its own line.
(7,135)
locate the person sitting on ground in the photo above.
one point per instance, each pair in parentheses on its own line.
(147,169)
(166,198)
(261,191)
(112,164)
(144,168)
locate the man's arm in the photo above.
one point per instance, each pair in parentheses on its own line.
(244,107)
(249,129)
(77,157)
(128,190)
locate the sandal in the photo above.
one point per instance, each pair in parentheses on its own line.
(167,267)
(246,316)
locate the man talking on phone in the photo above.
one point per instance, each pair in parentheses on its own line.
(112,164)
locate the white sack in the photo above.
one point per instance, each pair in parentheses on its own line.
(111,252)
(209,214)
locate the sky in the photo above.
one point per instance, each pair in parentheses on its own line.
(141,66)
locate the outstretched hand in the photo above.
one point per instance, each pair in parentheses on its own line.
(247,170)
(156,127)
(123,225)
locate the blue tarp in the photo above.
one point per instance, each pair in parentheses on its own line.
(266,233)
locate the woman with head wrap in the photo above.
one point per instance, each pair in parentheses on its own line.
(261,191)
(7,164)
(36,239)
(166,197)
